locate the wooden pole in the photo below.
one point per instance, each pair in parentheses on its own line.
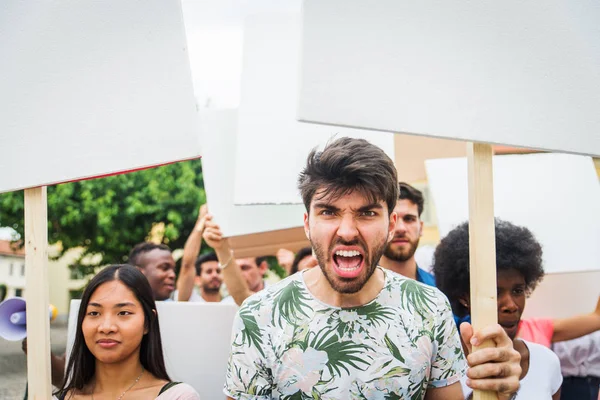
(482,244)
(36,294)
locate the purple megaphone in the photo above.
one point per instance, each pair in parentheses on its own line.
(13,318)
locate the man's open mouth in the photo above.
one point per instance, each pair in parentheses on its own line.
(348,263)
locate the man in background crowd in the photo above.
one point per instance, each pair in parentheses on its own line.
(304,259)
(399,255)
(156,262)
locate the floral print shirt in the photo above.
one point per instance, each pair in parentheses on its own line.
(286,344)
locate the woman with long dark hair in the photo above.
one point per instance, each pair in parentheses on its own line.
(117,352)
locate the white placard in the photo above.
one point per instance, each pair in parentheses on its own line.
(556,196)
(196,339)
(564,295)
(218,168)
(272,145)
(92,88)
(504,72)
(215,30)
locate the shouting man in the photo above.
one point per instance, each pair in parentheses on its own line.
(350,329)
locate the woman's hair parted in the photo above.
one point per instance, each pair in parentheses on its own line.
(82,364)
(516,248)
(347,165)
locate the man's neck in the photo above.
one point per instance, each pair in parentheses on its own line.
(319,286)
(407,268)
(210,296)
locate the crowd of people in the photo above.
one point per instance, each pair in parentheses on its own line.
(355,318)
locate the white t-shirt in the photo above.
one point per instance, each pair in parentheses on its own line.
(543,378)
(196,298)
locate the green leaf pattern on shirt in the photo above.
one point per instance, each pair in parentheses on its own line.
(288,345)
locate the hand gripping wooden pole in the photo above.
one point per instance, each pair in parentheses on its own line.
(36,294)
(482,244)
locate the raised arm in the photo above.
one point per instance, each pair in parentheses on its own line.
(232,275)
(191,249)
(285,258)
(577,326)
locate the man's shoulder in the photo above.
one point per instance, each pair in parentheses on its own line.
(425,277)
(413,290)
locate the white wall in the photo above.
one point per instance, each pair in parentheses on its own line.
(16,279)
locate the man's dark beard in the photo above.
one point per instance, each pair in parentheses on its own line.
(352,285)
(210,290)
(398,256)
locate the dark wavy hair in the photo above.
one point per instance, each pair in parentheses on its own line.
(204,258)
(300,255)
(414,195)
(516,248)
(82,364)
(346,165)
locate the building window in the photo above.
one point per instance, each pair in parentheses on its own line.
(22,269)
(11,268)
(19,292)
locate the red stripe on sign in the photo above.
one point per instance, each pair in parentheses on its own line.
(87,178)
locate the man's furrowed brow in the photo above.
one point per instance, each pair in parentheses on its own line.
(370,207)
(325,206)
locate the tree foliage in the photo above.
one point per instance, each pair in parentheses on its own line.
(108,216)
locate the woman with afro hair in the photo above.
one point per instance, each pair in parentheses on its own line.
(519,270)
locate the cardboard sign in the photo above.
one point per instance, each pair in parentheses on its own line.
(553,297)
(219,164)
(89,89)
(514,73)
(556,196)
(272,145)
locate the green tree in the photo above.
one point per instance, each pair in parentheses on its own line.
(108,216)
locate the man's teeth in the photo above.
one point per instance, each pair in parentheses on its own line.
(347,253)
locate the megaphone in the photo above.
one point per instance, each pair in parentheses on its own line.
(13,318)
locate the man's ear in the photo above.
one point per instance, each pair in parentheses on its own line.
(421,228)
(392,226)
(306,228)
(141,269)
(263,267)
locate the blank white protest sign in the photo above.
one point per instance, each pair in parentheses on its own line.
(92,88)
(218,167)
(505,72)
(556,196)
(564,295)
(272,146)
(196,339)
